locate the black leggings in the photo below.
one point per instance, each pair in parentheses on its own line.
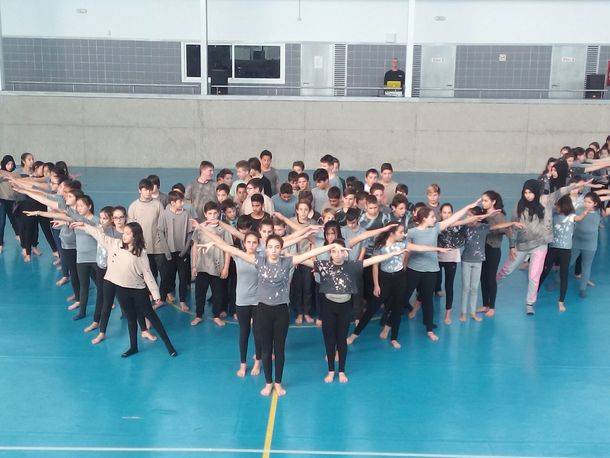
(272,329)
(136,303)
(102,313)
(424,283)
(489,269)
(28,230)
(450,268)
(86,270)
(70,261)
(6,210)
(335,325)
(559,256)
(45,225)
(301,290)
(175,265)
(393,296)
(218,287)
(245,314)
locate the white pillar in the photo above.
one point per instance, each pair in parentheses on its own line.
(203,4)
(410,47)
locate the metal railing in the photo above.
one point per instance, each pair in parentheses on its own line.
(317,91)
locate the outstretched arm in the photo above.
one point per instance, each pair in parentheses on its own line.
(51,215)
(382,257)
(38,196)
(457,215)
(298,259)
(224,246)
(292,224)
(368,234)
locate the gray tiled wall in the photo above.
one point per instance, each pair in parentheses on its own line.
(293,76)
(108,65)
(366,65)
(526,67)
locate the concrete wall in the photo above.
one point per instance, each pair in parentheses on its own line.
(462,136)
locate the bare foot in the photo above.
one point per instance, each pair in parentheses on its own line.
(1,248)
(351,339)
(219,321)
(356,322)
(590,283)
(242,370)
(308,319)
(440,293)
(482,309)
(235,316)
(267,390)
(562,307)
(413,312)
(257,368)
(279,389)
(74,306)
(462,317)
(196,321)
(91,327)
(319,323)
(448,317)
(342,377)
(329,377)
(490,313)
(433,337)
(27,258)
(184,307)
(384,332)
(299,320)
(223,315)
(170,298)
(395,344)
(148,324)
(101,336)
(70,298)
(577,276)
(62,281)
(36,251)
(149,335)
(475,317)
(113,306)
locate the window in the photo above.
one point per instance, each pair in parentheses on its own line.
(256,64)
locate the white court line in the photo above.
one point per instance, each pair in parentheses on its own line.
(252,451)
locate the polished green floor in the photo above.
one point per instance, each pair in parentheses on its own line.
(509,386)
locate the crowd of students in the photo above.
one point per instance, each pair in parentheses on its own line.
(331,251)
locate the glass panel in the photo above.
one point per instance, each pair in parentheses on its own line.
(257,61)
(193,61)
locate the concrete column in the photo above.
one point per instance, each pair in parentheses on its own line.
(204,46)
(410,46)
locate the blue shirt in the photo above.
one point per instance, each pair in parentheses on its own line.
(586,232)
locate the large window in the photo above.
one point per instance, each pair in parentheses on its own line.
(257,64)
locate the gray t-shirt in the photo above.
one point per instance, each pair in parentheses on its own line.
(199,194)
(320,199)
(563,230)
(274,179)
(86,246)
(349,234)
(586,232)
(426,261)
(285,208)
(66,234)
(474,248)
(247,283)
(336,279)
(273,279)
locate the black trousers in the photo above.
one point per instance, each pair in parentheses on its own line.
(60,250)
(7,210)
(301,290)
(86,271)
(393,296)
(102,314)
(449,268)
(218,287)
(157,265)
(246,314)
(70,260)
(335,326)
(559,256)
(231,288)
(424,283)
(45,225)
(272,329)
(489,269)
(135,303)
(28,231)
(179,265)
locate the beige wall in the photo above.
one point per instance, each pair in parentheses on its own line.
(418,135)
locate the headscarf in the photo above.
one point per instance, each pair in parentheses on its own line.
(5,160)
(534,207)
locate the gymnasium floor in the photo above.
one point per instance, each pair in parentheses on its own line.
(509,386)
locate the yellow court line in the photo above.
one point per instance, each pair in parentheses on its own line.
(270,425)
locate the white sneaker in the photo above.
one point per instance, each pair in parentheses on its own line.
(529,309)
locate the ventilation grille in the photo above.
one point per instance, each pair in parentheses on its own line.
(416,80)
(340,70)
(592,66)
